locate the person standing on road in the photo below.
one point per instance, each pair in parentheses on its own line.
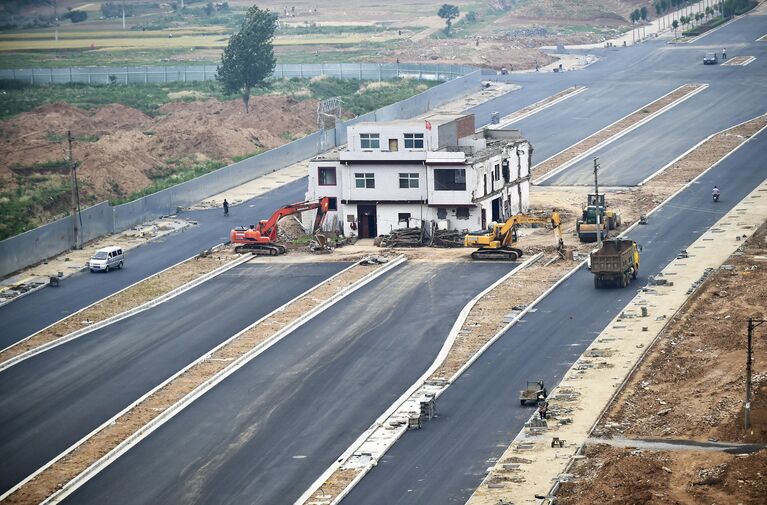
(226,207)
(724,53)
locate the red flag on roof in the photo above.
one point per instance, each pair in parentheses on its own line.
(428,125)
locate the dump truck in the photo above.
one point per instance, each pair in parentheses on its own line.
(534,391)
(616,263)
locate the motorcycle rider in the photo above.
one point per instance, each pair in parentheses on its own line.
(715,193)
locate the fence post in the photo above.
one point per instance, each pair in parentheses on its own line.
(165,73)
(89,76)
(33,76)
(146,74)
(420,71)
(301,69)
(126,75)
(322,69)
(70,75)
(359,71)
(184,73)
(51,75)
(340,70)
(379,72)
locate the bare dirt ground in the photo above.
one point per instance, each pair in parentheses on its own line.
(133,148)
(624,475)
(690,387)
(65,469)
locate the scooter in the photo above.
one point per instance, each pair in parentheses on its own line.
(716,197)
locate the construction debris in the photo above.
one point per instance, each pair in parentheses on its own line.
(420,237)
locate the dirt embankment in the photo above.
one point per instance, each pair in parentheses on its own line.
(690,386)
(624,475)
(121,150)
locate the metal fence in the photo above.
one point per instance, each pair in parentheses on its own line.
(188,73)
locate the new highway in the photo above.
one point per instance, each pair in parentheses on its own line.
(53,399)
(270,429)
(266,432)
(479,414)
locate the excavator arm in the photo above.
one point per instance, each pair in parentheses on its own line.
(268,227)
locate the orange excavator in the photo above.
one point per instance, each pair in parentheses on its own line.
(261,239)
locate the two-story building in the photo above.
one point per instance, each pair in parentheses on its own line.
(395,174)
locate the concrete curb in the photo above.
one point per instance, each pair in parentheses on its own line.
(381,420)
(123,315)
(84,268)
(564,166)
(187,400)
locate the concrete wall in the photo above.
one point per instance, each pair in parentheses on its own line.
(46,241)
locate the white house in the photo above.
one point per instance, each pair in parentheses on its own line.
(394,174)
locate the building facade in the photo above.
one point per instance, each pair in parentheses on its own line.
(396,174)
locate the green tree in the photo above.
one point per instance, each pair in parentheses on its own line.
(675,25)
(643,15)
(448,12)
(248,59)
(634,17)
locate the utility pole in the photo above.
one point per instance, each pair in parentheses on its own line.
(599,208)
(752,323)
(75,195)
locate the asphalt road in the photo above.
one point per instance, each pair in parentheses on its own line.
(269,430)
(479,414)
(33,312)
(51,400)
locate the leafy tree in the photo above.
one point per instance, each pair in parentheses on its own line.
(76,16)
(471,16)
(248,59)
(643,15)
(448,12)
(634,17)
(675,25)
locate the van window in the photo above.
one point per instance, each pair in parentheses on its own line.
(100,255)
(119,252)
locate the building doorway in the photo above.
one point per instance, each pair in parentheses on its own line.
(366,215)
(497,210)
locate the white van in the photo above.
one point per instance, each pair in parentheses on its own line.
(106,259)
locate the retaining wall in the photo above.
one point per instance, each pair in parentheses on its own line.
(54,238)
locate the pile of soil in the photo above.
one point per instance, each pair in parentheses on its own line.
(120,149)
(624,475)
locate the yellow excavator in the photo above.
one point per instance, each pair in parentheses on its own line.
(500,242)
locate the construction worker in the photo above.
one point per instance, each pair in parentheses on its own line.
(226,207)
(556,223)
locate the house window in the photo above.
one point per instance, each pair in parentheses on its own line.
(462,213)
(408,180)
(404,217)
(332,203)
(414,141)
(505,169)
(326,176)
(497,172)
(370,141)
(450,179)
(364,180)
(441,213)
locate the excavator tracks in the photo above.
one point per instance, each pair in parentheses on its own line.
(261,249)
(510,254)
